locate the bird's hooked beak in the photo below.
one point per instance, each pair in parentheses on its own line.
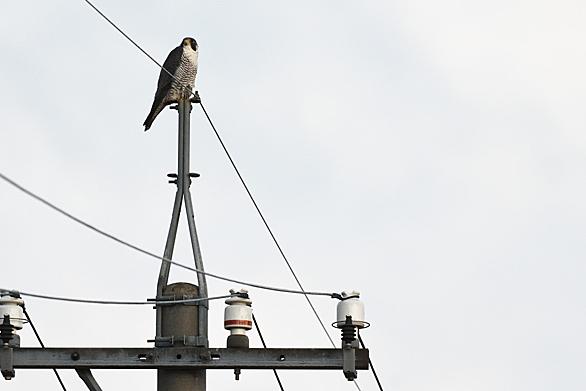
(194,45)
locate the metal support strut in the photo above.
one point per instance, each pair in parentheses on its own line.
(89,380)
(198,335)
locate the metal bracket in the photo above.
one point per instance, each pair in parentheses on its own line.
(185,340)
(161,299)
(195,98)
(349,367)
(7,362)
(88,379)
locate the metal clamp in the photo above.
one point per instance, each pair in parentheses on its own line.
(185,340)
(7,362)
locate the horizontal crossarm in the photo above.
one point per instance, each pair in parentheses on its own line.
(187,357)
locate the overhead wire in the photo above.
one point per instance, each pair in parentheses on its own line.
(30,321)
(380,386)
(133,42)
(112,302)
(262,340)
(270,231)
(127,37)
(148,253)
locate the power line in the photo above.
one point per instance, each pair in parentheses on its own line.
(150,254)
(113,302)
(133,42)
(28,318)
(380,386)
(262,340)
(266,224)
(270,231)
(127,37)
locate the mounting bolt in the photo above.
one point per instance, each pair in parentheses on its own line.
(172,175)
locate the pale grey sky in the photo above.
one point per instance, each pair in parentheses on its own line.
(429,154)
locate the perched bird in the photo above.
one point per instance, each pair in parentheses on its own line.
(182,64)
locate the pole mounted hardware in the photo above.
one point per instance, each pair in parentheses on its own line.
(183,181)
(350,317)
(12,305)
(12,319)
(238,320)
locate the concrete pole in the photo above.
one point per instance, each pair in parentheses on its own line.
(180,321)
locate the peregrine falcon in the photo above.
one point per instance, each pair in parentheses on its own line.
(182,64)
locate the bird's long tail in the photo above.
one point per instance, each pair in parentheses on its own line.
(155,110)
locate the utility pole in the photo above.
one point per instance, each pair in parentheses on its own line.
(181,353)
(181,324)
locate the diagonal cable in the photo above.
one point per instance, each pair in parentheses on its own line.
(380,387)
(262,340)
(133,42)
(270,231)
(266,224)
(28,318)
(127,37)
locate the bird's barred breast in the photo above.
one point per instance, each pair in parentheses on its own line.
(185,74)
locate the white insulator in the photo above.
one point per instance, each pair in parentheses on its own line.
(351,305)
(13,307)
(238,313)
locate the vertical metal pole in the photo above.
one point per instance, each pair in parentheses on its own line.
(181,324)
(170,243)
(201,280)
(203,306)
(169,246)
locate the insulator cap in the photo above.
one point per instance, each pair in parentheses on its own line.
(350,305)
(12,305)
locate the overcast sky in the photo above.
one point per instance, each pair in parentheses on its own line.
(429,154)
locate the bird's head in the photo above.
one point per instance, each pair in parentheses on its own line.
(189,42)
